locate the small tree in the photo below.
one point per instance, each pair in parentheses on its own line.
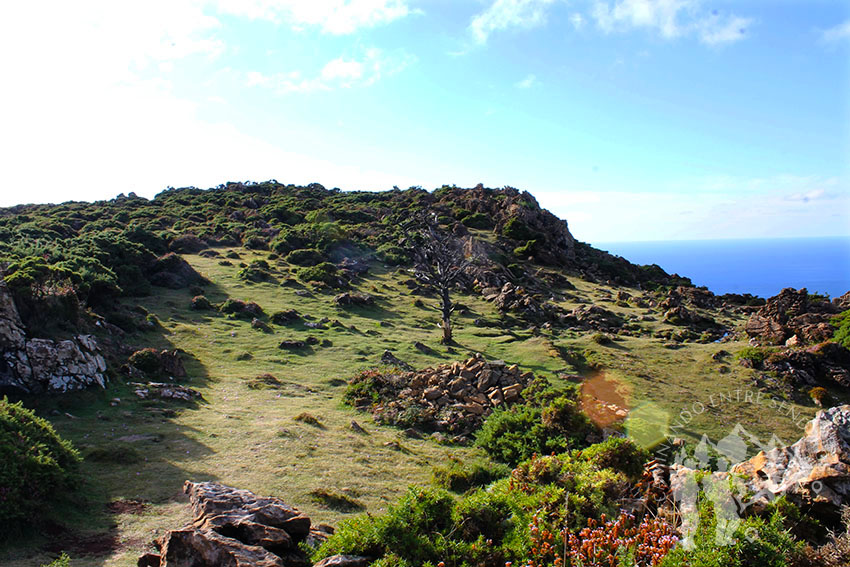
(439,263)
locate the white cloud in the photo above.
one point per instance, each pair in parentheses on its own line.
(716,31)
(341,72)
(338,17)
(671,19)
(505,14)
(528,82)
(577,20)
(837,33)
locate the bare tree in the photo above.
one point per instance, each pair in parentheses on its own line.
(439,263)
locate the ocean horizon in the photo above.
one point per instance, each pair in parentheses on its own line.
(760,266)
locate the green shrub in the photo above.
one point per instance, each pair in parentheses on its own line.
(841,323)
(478,220)
(325,273)
(392,254)
(526,250)
(62,561)
(618,454)
(147,360)
(517,230)
(305,257)
(755,355)
(36,465)
(460,476)
(241,309)
(515,434)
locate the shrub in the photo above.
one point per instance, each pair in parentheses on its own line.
(284,317)
(754,355)
(619,454)
(325,273)
(517,230)
(818,394)
(527,249)
(392,254)
(36,465)
(241,309)
(841,323)
(304,257)
(460,476)
(478,220)
(201,303)
(147,360)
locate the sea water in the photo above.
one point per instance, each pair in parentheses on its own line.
(758,266)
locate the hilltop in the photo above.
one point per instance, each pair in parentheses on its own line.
(275,338)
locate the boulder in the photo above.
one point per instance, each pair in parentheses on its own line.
(349,299)
(814,471)
(233,528)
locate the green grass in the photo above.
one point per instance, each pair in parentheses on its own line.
(245,433)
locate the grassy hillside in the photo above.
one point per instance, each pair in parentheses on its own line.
(252,433)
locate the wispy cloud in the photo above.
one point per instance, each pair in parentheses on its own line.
(840,32)
(671,19)
(577,20)
(506,14)
(338,17)
(342,72)
(528,82)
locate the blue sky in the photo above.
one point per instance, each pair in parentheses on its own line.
(631,119)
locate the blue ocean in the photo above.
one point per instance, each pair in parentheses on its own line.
(758,266)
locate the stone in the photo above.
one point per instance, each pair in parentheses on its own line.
(344,561)
(165,391)
(192,548)
(392,360)
(814,471)
(349,299)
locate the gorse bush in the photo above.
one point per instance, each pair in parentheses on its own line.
(842,329)
(36,466)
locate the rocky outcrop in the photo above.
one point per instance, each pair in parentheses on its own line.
(814,471)
(792,313)
(234,528)
(34,366)
(452,398)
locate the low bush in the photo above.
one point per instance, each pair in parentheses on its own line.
(517,230)
(841,323)
(241,309)
(478,220)
(36,466)
(305,257)
(325,273)
(147,360)
(460,476)
(200,303)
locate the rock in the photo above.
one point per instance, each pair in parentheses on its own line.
(392,360)
(343,561)
(793,312)
(234,528)
(149,560)
(814,471)
(37,365)
(425,349)
(292,345)
(165,391)
(348,299)
(193,548)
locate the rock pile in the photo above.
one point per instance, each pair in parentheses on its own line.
(451,398)
(35,366)
(236,528)
(165,391)
(792,317)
